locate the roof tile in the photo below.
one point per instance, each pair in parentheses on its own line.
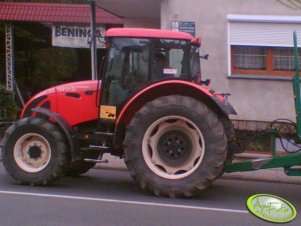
(54,13)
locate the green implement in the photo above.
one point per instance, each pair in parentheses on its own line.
(296,87)
(291,163)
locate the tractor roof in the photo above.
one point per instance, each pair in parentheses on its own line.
(147,33)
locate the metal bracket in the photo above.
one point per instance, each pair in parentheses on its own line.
(9,45)
(258,163)
(1,147)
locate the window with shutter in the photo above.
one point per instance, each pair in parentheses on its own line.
(262,45)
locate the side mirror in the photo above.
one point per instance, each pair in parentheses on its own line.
(206,82)
(205,57)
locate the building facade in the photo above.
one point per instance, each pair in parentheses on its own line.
(136,13)
(249,43)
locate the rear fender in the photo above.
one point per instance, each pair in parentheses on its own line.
(217,103)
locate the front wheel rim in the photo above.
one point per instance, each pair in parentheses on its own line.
(32,152)
(173,147)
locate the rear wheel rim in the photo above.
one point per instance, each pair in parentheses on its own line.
(32,152)
(173,147)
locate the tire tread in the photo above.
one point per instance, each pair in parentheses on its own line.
(218,136)
(62,158)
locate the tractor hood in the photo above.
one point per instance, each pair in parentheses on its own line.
(49,98)
(72,87)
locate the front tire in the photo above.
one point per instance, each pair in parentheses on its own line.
(34,151)
(175,146)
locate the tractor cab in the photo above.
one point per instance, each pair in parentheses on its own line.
(138,58)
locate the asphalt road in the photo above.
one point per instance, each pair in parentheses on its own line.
(110,197)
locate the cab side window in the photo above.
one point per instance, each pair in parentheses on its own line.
(168,59)
(127,70)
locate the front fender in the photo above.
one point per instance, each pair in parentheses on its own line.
(68,131)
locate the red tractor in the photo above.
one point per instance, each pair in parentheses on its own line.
(150,107)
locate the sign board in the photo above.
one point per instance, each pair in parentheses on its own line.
(108,112)
(75,36)
(184,26)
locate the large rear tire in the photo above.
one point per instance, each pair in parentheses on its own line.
(34,151)
(175,146)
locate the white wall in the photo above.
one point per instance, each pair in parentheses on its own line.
(258,100)
(141,23)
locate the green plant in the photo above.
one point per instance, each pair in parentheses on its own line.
(260,143)
(8,106)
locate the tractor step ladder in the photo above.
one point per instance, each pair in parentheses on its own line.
(104,134)
(102,145)
(97,160)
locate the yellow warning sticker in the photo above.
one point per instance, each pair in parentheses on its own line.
(107,112)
